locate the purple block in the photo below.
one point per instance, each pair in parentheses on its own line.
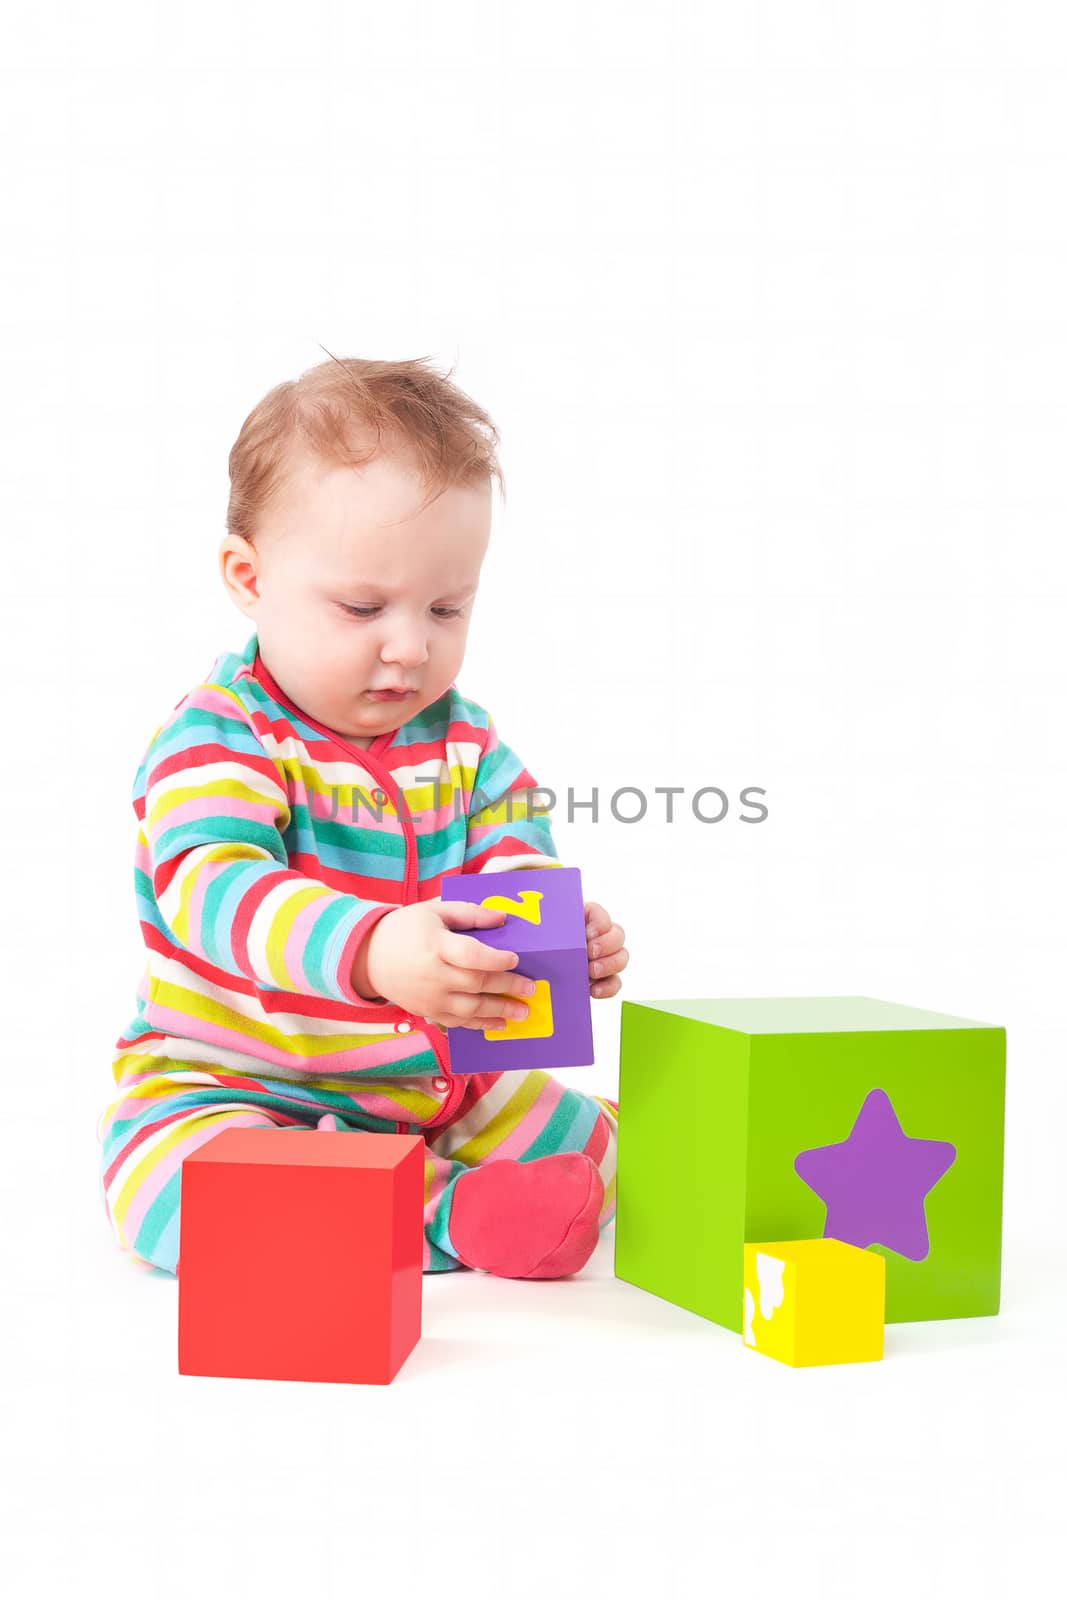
(552,949)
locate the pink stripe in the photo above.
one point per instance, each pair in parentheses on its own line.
(522,1136)
(134,1106)
(380,1105)
(476,832)
(212,805)
(300,933)
(208,699)
(433,818)
(372,1055)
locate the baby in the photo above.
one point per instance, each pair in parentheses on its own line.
(297,812)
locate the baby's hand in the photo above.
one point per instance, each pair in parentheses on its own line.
(607,953)
(413,958)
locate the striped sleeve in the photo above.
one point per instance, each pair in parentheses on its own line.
(213,810)
(505,830)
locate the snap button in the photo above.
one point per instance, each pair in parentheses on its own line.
(440,1083)
(380,797)
(403,1027)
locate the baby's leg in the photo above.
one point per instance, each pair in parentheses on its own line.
(160,1118)
(140,1179)
(531,1222)
(165,1109)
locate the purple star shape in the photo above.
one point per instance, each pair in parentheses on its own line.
(874,1182)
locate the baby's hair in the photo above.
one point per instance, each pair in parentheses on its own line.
(411,408)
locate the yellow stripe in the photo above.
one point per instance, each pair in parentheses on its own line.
(122,1062)
(419,796)
(282,926)
(418,1105)
(217,789)
(198,1007)
(153,1088)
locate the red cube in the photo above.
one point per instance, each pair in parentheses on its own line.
(300,1255)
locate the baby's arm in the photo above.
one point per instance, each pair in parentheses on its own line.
(213,813)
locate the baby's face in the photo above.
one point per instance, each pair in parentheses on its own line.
(353,589)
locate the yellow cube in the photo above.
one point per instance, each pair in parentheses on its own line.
(814,1302)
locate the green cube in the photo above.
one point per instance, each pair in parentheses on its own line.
(747,1121)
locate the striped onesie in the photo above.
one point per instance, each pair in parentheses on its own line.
(267,850)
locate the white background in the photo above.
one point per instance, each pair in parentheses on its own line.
(767,301)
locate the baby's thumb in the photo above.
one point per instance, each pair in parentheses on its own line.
(465,914)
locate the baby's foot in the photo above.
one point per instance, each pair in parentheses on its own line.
(528,1219)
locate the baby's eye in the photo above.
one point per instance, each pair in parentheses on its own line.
(370,611)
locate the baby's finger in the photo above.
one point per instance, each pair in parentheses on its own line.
(484,1010)
(451,1019)
(607,943)
(471,955)
(465,914)
(609,964)
(483,979)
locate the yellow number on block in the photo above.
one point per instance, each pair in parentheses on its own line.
(527,906)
